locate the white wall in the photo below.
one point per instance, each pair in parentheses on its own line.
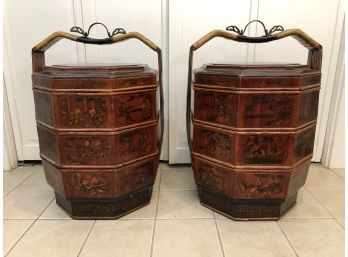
(9,150)
(334,145)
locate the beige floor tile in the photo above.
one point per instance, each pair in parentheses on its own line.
(307,207)
(16,176)
(5,193)
(146,212)
(186,238)
(339,172)
(13,230)
(131,238)
(341,221)
(26,205)
(53,211)
(36,182)
(157,181)
(166,166)
(53,238)
(323,179)
(332,200)
(317,166)
(181,204)
(177,180)
(253,239)
(314,237)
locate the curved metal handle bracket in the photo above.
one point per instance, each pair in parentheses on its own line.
(267,33)
(85,34)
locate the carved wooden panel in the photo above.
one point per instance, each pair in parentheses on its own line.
(134,82)
(44,107)
(83,111)
(304,143)
(92,184)
(260,185)
(137,143)
(86,150)
(261,149)
(220,81)
(137,176)
(41,81)
(54,177)
(216,107)
(216,178)
(269,82)
(298,177)
(50,148)
(308,106)
(134,108)
(215,144)
(82,83)
(311,80)
(266,110)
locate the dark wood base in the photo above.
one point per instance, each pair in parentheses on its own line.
(245,209)
(106,208)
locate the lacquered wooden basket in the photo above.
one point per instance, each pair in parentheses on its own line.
(100,128)
(251,128)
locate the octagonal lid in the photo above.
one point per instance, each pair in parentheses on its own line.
(96,70)
(256,69)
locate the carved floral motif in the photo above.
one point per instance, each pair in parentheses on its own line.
(272,110)
(136,108)
(87,148)
(138,141)
(263,149)
(93,184)
(216,143)
(83,111)
(261,185)
(137,178)
(214,104)
(210,178)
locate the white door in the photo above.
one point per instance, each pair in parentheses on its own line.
(190,20)
(28,22)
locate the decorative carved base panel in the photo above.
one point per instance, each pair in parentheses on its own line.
(245,209)
(85,208)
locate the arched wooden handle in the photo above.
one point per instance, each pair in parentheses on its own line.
(38,58)
(38,51)
(314,56)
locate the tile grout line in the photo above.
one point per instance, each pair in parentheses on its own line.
(332,216)
(21,182)
(286,237)
(336,173)
(340,223)
(20,238)
(219,236)
(38,217)
(35,220)
(84,242)
(156,209)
